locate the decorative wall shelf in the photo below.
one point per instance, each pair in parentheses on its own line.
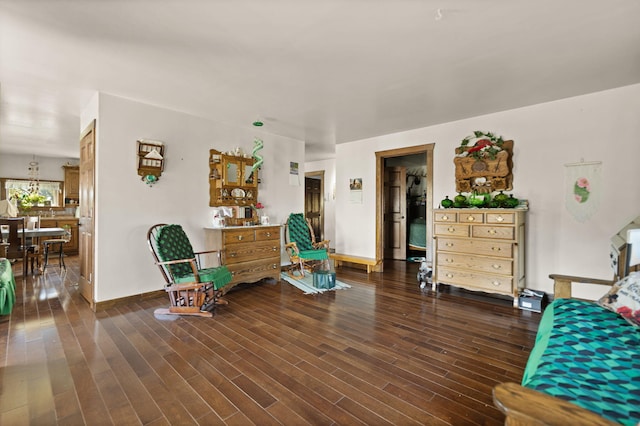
(150,160)
(232,181)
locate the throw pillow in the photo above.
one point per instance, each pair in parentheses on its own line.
(624,298)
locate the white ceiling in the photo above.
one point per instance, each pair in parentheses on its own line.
(322,71)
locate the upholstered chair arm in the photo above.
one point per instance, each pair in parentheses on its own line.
(523,406)
(321,244)
(562,284)
(218,254)
(191,261)
(292,249)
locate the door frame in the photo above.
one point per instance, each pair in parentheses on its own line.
(320,174)
(427,149)
(87,254)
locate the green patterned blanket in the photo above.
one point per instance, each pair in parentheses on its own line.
(589,356)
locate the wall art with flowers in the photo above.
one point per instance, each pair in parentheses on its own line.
(582,184)
(483,163)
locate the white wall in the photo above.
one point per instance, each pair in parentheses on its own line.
(126,207)
(601,126)
(329,167)
(16,166)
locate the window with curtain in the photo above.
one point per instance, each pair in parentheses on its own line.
(50,190)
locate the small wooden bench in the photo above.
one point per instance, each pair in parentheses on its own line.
(370,263)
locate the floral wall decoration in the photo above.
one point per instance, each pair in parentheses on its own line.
(483,163)
(582,193)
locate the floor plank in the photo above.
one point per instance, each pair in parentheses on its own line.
(382,352)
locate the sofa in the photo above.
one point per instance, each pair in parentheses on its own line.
(585,365)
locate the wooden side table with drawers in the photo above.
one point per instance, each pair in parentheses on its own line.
(250,252)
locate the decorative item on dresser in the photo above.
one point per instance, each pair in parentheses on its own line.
(480,249)
(250,252)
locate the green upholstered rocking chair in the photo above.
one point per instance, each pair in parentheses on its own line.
(304,252)
(192,290)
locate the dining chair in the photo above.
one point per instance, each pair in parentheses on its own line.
(13,240)
(32,244)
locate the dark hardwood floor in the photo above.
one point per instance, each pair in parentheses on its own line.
(382,352)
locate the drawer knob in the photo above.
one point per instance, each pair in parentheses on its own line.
(239,237)
(232,254)
(496,266)
(274,248)
(233,273)
(500,219)
(492,232)
(448,260)
(496,249)
(471,218)
(274,266)
(268,234)
(496,283)
(449,244)
(451,229)
(445,217)
(449,275)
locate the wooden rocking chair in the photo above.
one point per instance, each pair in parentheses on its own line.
(192,290)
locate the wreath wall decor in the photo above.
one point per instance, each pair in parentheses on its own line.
(483,163)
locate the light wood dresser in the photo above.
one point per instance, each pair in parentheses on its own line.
(480,249)
(250,252)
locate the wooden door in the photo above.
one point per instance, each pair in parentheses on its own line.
(395,208)
(86,223)
(313,202)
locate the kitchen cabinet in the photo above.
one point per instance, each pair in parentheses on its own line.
(71,185)
(480,249)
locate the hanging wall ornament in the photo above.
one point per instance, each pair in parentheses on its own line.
(257,146)
(582,189)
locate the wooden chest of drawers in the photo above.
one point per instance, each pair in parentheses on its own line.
(250,252)
(480,249)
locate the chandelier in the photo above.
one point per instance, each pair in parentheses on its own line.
(34,176)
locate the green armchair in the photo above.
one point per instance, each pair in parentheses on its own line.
(304,252)
(192,290)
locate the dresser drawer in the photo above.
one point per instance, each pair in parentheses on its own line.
(506,218)
(256,269)
(271,233)
(241,252)
(471,217)
(476,281)
(499,232)
(478,247)
(238,235)
(451,229)
(477,263)
(445,217)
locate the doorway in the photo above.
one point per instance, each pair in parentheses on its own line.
(390,197)
(314,202)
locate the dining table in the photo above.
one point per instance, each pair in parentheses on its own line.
(39,232)
(33,235)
